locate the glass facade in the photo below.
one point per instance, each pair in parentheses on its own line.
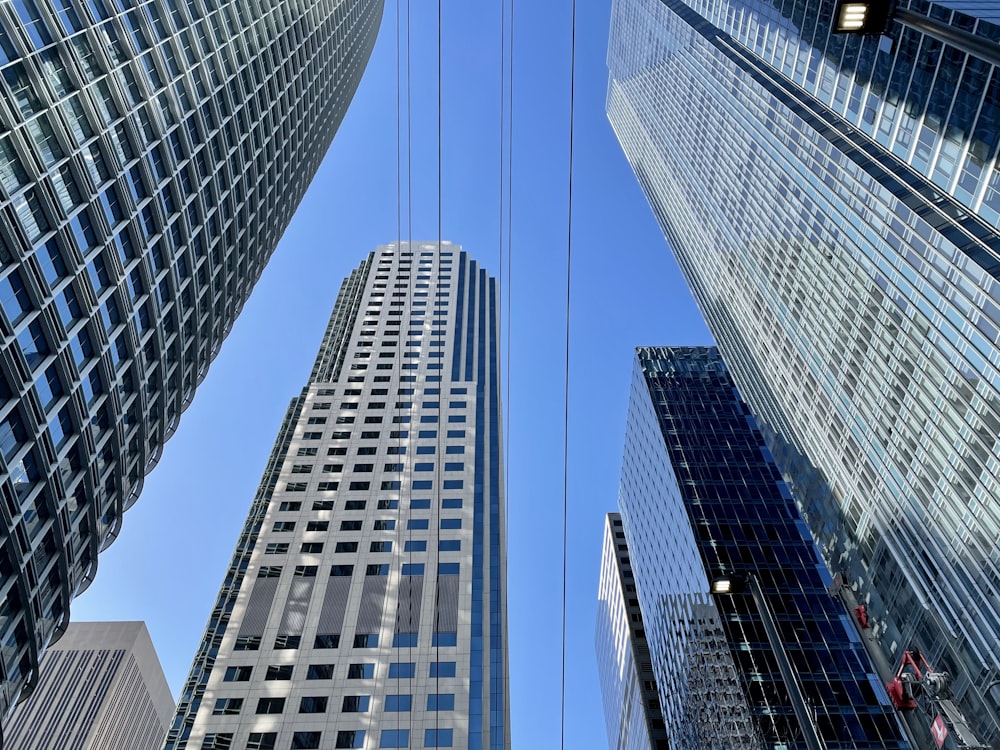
(151,155)
(702,501)
(365,603)
(632,713)
(832,203)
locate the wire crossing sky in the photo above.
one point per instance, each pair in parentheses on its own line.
(177,540)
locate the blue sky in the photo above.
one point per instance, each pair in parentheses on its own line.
(176,542)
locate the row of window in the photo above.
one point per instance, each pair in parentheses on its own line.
(375,434)
(351,738)
(413,524)
(383,504)
(387,484)
(355,671)
(372,450)
(332,640)
(389,467)
(411,545)
(374,569)
(318,704)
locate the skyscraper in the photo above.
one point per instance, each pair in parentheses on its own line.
(749,648)
(833,202)
(101,688)
(632,713)
(365,603)
(151,156)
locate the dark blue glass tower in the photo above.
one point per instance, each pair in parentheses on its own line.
(749,647)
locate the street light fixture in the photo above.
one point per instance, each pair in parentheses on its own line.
(864,17)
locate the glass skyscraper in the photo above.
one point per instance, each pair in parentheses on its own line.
(365,603)
(632,713)
(833,203)
(151,155)
(749,648)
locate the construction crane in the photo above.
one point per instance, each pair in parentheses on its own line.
(917,687)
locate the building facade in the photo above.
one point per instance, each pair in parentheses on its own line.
(774,662)
(632,713)
(365,603)
(151,156)
(833,201)
(101,688)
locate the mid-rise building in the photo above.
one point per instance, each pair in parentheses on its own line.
(151,156)
(365,603)
(833,201)
(101,688)
(749,647)
(632,713)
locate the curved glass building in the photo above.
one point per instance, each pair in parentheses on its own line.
(833,202)
(151,155)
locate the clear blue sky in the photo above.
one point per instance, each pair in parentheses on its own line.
(176,542)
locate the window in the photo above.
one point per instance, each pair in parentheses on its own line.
(311,548)
(312,436)
(284,526)
(420,504)
(270,705)
(394,738)
(269,571)
(398,703)
(327,486)
(288,506)
(247,643)
(449,545)
(336,451)
(279,672)
(448,569)
(380,547)
(456,433)
(317,420)
(441,702)
(390,484)
(415,546)
(318,526)
(444,639)
(438,737)
(350,525)
(296,486)
(423,450)
(423,466)
(217,741)
(327,640)
(351,738)
(385,525)
(325,671)
(422,484)
(322,505)
(404,640)
(287,642)
(356,704)
(346,547)
(366,640)
(262,740)
(428,434)
(413,569)
(359,486)
(364,468)
(310,741)
(454,466)
(386,504)
(377,570)
(451,523)
(442,669)
(418,523)
(333,468)
(227,706)
(237,674)
(451,502)
(454,484)
(313,704)
(363,671)
(276,548)
(402,669)
(342,570)
(455,449)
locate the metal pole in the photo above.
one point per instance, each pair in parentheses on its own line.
(789,675)
(963,40)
